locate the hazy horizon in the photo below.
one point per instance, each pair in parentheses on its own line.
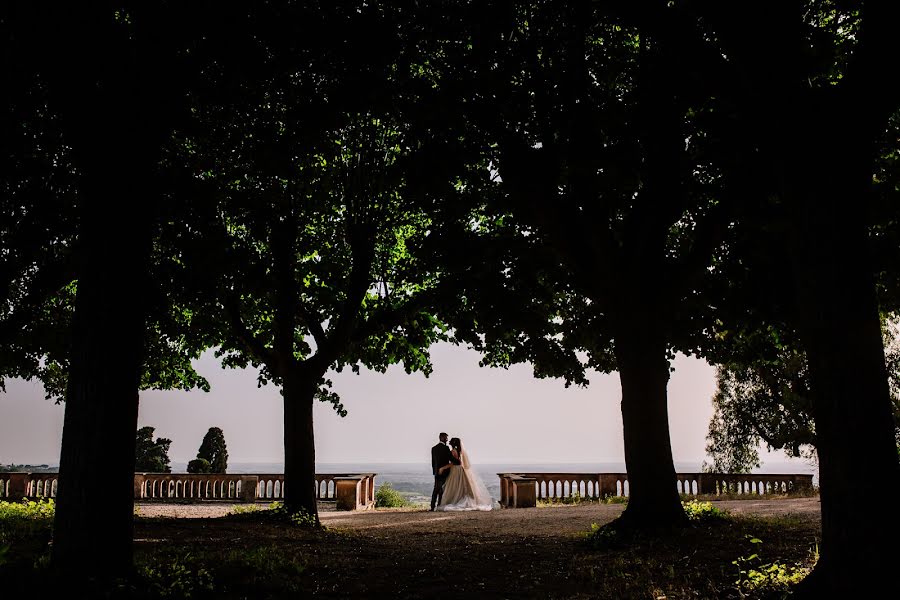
(502,415)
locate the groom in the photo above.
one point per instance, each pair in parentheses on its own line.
(440,456)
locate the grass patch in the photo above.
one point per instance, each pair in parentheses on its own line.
(579,499)
(719,555)
(575,498)
(755,574)
(243,572)
(178,576)
(276,513)
(811,493)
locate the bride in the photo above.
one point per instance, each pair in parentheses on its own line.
(463,490)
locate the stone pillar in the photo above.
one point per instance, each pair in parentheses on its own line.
(346,492)
(18,486)
(706,483)
(524,492)
(249,483)
(803,483)
(139,490)
(607,485)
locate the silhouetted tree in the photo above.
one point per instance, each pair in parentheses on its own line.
(151,456)
(765,397)
(312,250)
(213,451)
(816,105)
(109,86)
(599,134)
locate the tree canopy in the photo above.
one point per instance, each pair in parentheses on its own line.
(308,186)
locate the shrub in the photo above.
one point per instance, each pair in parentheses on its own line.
(387,497)
(28,522)
(702,511)
(34,510)
(25,518)
(615,499)
(575,498)
(243,509)
(199,465)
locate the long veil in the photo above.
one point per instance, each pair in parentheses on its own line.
(483,499)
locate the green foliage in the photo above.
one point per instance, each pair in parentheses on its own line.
(765,401)
(575,498)
(151,456)
(14,468)
(27,510)
(244,509)
(198,465)
(300,518)
(603,536)
(387,497)
(615,499)
(202,574)
(763,397)
(26,518)
(214,451)
(182,576)
(264,564)
(703,511)
(25,523)
(756,576)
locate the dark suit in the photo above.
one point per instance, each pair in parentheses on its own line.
(440,456)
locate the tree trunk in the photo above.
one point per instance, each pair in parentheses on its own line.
(95,503)
(851,401)
(644,372)
(298,391)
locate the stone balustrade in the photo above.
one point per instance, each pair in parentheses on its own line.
(350,491)
(520,490)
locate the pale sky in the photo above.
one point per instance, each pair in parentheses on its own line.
(502,416)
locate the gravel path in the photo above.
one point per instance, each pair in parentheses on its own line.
(549,521)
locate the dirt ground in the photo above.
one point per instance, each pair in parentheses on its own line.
(551,521)
(533,553)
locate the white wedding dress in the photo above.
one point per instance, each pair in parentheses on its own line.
(464,490)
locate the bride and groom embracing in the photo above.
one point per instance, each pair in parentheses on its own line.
(456,487)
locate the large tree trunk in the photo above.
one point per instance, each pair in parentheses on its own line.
(644,373)
(851,400)
(100,88)
(95,502)
(298,391)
